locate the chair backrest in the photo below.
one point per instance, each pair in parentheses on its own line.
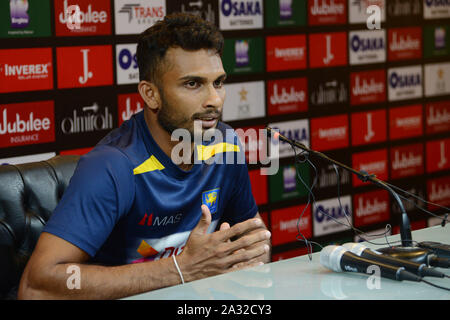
(29,193)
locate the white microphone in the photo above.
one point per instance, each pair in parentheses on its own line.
(339,259)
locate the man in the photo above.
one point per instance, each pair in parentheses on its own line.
(130,210)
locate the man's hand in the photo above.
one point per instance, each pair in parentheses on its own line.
(211,254)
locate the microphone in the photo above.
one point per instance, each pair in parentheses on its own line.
(339,259)
(440,249)
(419,269)
(418,255)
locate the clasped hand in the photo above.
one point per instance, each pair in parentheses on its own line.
(209,254)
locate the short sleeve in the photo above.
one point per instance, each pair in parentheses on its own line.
(100,192)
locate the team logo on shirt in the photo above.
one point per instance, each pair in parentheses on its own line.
(210,198)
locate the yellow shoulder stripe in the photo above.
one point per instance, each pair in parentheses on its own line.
(206,152)
(151,164)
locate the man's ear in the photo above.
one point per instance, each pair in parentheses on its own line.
(150,93)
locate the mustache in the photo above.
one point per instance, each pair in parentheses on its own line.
(214,114)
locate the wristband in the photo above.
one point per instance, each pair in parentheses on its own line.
(178,269)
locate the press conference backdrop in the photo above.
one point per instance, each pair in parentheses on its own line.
(375,99)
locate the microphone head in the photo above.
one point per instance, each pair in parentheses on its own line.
(276,135)
(330,257)
(356,248)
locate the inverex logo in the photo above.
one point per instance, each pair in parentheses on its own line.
(286,224)
(26,123)
(405,83)
(372,162)
(26,69)
(332,216)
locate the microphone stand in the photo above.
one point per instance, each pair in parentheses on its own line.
(405,226)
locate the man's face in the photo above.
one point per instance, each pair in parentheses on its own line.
(191,89)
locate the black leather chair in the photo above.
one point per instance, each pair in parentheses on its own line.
(29,193)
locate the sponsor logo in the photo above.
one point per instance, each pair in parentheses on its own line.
(325,12)
(405,83)
(328,49)
(128,105)
(286,52)
(405,122)
(327,177)
(372,162)
(368,87)
(91,17)
(371,207)
(155,249)
(438,117)
(159,221)
(19,13)
(287,96)
(127,68)
(88,120)
(242,56)
(437,79)
(135,16)
(437,155)
(332,215)
(84,66)
(240,14)
(26,123)
(85,119)
(330,91)
(287,224)
(297,130)
(211,199)
(404,8)
(358,10)
(206,9)
(438,192)
(436,9)
(26,70)
(285,13)
(329,132)
(407,161)
(368,127)
(23,18)
(367,46)
(405,43)
(285,184)
(245,100)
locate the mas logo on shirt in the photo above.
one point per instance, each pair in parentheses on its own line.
(210,198)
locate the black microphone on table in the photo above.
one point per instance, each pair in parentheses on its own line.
(420,269)
(339,259)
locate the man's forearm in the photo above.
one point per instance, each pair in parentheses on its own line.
(84,281)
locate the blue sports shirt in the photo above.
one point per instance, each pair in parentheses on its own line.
(127,201)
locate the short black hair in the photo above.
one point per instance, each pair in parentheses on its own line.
(187,31)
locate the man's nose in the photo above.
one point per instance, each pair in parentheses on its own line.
(214,98)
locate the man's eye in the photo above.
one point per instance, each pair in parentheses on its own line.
(218,83)
(192,84)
